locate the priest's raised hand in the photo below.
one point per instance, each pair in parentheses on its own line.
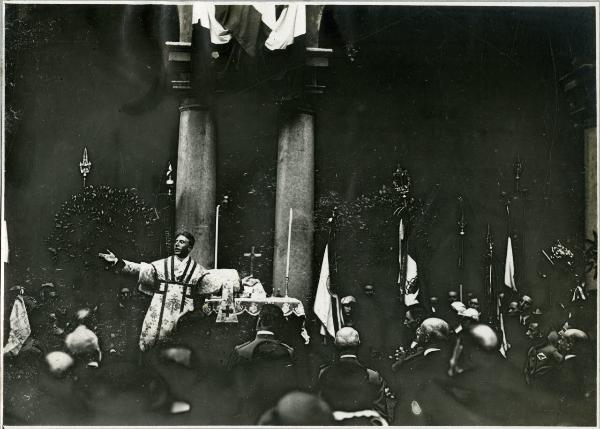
(109,257)
(172,282)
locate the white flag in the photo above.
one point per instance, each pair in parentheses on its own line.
(20,329)
(409,289)
(323,307)
(204,13)
(509,268)
(291,24)
(504,346)
(282,31)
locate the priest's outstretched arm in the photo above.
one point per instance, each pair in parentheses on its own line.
(147,276)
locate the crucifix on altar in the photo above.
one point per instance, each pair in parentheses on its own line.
(252,255)
(191,73)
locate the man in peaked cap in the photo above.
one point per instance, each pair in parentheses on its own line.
(349,386)
(348,303)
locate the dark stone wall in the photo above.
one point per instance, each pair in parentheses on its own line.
(452,94)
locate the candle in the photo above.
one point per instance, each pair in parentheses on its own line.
(289,243)
(217,234)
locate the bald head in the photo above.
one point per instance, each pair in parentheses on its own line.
(298,409)
(571,340)
(432,329)
(347,338)
(435,327)
(484,337)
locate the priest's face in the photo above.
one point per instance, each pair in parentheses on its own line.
(182,246)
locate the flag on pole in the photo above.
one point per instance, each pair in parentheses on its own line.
(326,306)
(20,330)
(410,288)
(246,23)
(509,268)
(504,345)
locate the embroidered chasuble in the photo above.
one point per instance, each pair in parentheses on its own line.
(172,283)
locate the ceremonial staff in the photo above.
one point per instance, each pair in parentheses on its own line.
(518,170)
(461,234)
(85,165)
(520,194)
(170,182)
(461,249)
(169,221)
(490,271)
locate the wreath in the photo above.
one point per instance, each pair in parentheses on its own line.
(101,217)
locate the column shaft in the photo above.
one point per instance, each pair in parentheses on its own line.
(196,179)
(591,198)
(295,189)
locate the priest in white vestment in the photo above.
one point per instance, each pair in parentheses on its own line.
(172,282)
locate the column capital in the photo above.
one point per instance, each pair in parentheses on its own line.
(191,104)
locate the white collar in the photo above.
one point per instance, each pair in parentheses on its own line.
(567,357)
(430,350)
(348,356)
(264,332)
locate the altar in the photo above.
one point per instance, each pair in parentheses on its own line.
(252,306)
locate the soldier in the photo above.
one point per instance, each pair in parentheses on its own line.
(474,303)
(515,335)
(368,315)
(565,369)
(544,361)
(434,306)
(348,303)
(452,297)
(263,369)
(349,386)
(525,308)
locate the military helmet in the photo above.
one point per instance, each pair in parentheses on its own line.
(347,300)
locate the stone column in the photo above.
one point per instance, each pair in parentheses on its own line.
(184,11)
(591,199)
(195,195)
(295,189)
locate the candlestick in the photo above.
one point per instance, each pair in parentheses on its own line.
(217,235)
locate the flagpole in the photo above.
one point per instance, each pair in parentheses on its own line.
(402,256)
(461,250)
(217,234)
(490,290)
(289,245)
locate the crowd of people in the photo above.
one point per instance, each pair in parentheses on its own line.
(456,369)
(450,370)
(454,363)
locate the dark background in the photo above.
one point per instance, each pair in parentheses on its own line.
(452,94)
